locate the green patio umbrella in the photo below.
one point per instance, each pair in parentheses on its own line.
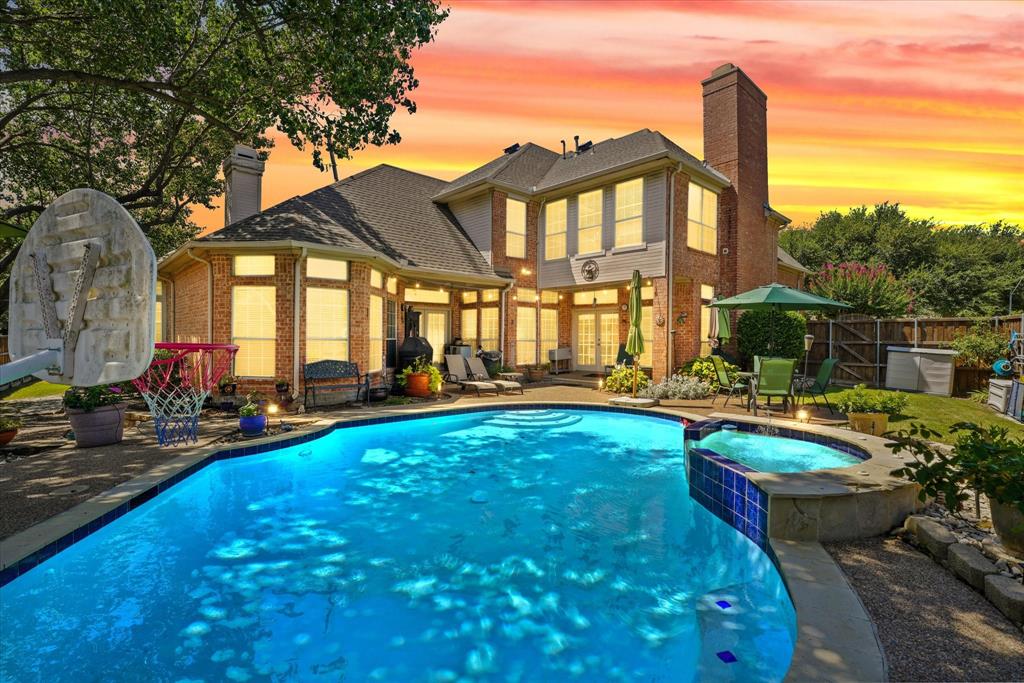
(635,340)
(776,297)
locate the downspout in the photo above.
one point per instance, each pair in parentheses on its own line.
(209,294)
(297,314)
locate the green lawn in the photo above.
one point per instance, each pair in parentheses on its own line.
(939,413)
(37,389)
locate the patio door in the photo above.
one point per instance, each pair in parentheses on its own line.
(434,326)
(596,339)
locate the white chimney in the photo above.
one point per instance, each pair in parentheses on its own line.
(243,184)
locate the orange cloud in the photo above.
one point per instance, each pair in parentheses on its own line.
(915,102)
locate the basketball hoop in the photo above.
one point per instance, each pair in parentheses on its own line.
(176,385)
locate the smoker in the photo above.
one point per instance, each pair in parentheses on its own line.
(414,345)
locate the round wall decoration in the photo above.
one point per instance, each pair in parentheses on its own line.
(590,270)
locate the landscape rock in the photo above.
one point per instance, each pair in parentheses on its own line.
(935,537)
(1007,595)
(970,565)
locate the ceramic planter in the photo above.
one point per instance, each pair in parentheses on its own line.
(869,423)
(536,374)
(99,427)
(252,425)
(7,435)
(418,385)
(1008,521)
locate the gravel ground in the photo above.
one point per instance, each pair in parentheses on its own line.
(933,627)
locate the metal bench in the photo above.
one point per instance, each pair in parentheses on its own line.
(331,371)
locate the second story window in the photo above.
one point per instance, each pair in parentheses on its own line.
(588,235)
(554,230)
(515,228)
(629,213)
(702,223)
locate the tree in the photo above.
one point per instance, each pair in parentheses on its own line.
(144,101)
(869,290)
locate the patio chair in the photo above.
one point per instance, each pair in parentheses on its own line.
(478,371)
(775,378)
(457,373)
(818,385)
(730,387)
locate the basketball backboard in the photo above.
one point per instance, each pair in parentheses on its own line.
(83,294)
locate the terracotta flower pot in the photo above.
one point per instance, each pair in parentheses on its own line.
(1008,521)
(536,374)
(869,423)
(418,385)
(99,427)
(7,436)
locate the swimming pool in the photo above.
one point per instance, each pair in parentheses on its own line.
(775,453)
(497,545)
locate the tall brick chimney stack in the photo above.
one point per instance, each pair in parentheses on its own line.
(243,184)
(736,143)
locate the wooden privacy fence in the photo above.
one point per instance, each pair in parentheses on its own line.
(861,345)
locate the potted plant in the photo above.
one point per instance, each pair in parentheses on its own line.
(250,420)
(421,379)
(536,373)
(281,385)
(96,414)
(227,385)
(983,460)
(8,429)
(868,411)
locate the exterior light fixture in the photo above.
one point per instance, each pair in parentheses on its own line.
(525,271)
(417,285)
(803,416)
(272,409)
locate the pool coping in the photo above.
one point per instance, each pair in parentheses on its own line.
(830,645)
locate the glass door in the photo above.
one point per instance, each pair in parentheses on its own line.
(434,326)
(596,339)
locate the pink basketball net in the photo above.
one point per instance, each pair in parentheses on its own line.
(177,383)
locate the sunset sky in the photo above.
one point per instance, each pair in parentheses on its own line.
(917,102)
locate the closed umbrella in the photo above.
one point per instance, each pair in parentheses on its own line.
(635,339)
(719,325)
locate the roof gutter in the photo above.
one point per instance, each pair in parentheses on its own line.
(209,294)
(709,176)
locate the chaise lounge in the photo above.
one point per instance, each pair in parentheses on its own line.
(478,371)
(458,374)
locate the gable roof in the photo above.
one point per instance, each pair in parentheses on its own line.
(383,210)
(519,170)
(787,260)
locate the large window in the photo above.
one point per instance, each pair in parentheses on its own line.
(158,313)
(526,335)
(490,295)
(548,332)
(376,362)
(376,279)
(707,295)
(702,223)
(629,213)
(599,296)
(549,296)
(391,332)
(326,268)
(554,230)
(588,234)
(515,228)
(326,324)
(262,264)
(526,295)
(469,333)
(254,330)
(470,296)
(489,328)
(426,296)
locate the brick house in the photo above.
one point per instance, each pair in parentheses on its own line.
(530,252)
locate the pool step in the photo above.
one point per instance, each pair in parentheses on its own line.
(533,419)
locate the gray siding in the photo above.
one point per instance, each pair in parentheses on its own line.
(613,267)
(474,215)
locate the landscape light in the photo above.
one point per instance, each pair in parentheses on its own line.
(803,416)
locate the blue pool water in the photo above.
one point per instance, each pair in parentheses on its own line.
(497,546)
(775,454)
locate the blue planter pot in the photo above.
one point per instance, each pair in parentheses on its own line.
(252,425)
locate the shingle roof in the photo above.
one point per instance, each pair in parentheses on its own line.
(786,259)
(384,209)
(521,169)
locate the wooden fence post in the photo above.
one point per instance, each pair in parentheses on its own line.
(878,352)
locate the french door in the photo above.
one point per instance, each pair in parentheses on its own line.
(434,326)
(596,339)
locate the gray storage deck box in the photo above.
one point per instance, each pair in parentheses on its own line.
(919,369)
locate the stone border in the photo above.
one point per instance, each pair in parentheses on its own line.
(969,565)
(835,645)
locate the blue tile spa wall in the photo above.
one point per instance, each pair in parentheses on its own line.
(721,486)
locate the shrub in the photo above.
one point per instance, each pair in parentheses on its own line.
(91,398)
(677,387)
(756,338)
(9,423)
(860,399)
(979,347)
(249,410)
(868,289)
(703,369)
(621,380)
(983,459)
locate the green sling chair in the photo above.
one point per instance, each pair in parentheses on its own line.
(724,384)
(820,383)
(775,378)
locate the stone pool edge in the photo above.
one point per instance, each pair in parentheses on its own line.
(830,645)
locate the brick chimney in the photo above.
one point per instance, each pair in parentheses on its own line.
(243,184)
(736,143)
